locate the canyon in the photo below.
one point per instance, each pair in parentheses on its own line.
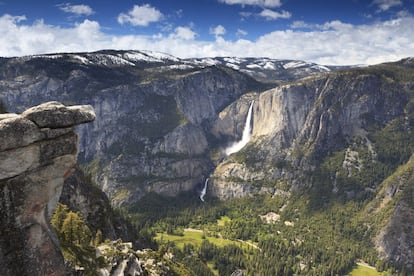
(163,125)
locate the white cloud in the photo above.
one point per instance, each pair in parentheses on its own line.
(300,24)
(336,25)
(384,5)
(245,14)
(267,14)
(241,32)
(219,30)
(78,10)
(272,15)
(140,15)
(403,13)
(330,43)
(184,33)
(261,3)
(18,39)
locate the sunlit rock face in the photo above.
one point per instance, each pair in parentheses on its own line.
(38,150)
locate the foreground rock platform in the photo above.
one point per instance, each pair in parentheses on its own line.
(38,150)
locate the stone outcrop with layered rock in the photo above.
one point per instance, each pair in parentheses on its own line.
(38,150)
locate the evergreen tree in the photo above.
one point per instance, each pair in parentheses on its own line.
(74,230)
(58,217)
(98,237)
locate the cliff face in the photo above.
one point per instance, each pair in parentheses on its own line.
(37,152)
(395,241)
(296,126)
(395,203)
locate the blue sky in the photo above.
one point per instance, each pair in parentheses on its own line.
(326,32)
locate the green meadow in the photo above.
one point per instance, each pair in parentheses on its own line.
(363,270)
(196,237)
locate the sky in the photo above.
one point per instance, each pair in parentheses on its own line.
(329,32)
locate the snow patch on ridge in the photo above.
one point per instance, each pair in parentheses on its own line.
(294,64)
(205,61)
(160,56)
(106,59)
(253,66)
(233,66)
(82,59)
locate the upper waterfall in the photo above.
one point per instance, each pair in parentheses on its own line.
(245,136)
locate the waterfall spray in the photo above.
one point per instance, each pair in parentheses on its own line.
(246,134)
(204,191)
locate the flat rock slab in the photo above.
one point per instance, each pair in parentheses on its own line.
(56,115)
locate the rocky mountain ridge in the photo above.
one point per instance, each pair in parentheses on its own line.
(264,69)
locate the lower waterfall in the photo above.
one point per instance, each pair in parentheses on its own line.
(204,191)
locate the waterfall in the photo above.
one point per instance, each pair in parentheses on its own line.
(246,134)
(204,191)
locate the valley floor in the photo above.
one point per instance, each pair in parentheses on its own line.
(363,269)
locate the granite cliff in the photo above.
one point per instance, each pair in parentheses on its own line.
(295,126)
(38,150)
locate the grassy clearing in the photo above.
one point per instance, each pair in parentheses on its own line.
(189,237)
(223,220)
(212,268)
(196,237)
(362,270)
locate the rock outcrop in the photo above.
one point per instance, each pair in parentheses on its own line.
(38,150)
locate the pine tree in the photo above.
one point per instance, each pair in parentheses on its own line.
(58,217)
(74,230)
(98,237)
